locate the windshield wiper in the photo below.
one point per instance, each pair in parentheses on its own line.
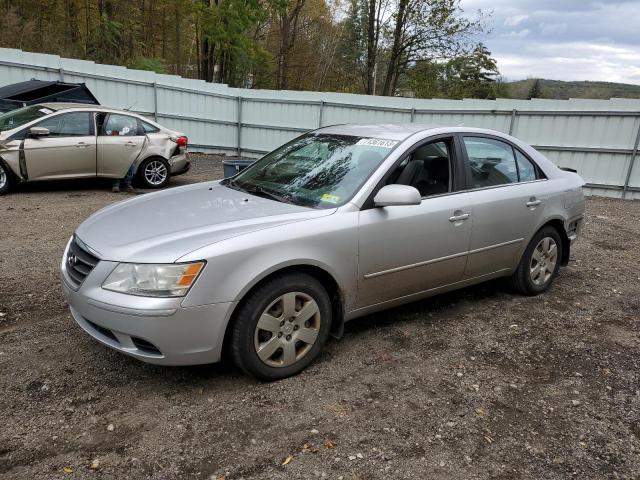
(261,192)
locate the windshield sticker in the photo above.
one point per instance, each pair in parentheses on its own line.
(377,142)
(327,197)
(46,111)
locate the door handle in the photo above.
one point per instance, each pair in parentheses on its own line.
(82,145)
(130,144)
(459,218)
(533,202)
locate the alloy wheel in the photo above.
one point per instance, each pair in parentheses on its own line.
(543,261)
(287,329)
(155,172)
(3,178)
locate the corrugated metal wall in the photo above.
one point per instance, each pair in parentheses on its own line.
(599,138)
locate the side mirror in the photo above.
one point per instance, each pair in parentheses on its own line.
(396,195)
(39,131)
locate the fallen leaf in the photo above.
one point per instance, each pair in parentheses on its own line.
(67,470)
(330,444)
(287,460)
(488,439)
(479,412)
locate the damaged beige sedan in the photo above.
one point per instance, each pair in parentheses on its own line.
(65,140)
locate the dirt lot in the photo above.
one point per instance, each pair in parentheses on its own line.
(476,384)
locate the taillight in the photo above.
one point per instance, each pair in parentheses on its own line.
(182,141)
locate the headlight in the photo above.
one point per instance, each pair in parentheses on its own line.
(148,280)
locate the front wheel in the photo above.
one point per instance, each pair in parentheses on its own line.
(154,173)
(540,263)
(5,179)
(281,327)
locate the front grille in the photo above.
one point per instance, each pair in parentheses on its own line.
(79,263)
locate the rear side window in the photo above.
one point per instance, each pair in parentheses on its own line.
(526,169)
(74,124)
(120,126)
(146,127)
(492,162)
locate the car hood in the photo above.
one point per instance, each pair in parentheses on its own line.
(162,227)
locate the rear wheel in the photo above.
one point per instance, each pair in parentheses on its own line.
(154,173)
(5,179)
(540,263)
(281,327)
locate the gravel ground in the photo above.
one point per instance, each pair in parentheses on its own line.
(475,384)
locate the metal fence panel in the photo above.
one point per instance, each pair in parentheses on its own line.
(599,138)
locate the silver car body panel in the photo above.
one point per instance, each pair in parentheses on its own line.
(76,157)
(378,257)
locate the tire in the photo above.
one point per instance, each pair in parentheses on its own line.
(263,324)
(154,172)
(6,179)
(540,263)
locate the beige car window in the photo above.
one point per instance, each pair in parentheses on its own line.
(75,124)
(120,126)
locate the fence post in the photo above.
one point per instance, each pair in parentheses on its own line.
(155,101)
(239,138)
(320,113)
(514,113)
(634,154)
(413,114)
(61,73)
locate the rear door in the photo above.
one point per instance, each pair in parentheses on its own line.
(120,141)
(508,194)
(69,151)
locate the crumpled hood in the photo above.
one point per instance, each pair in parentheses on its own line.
(162,227)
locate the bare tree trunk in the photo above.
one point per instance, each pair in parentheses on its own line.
(176,21)
(372,47)
(390,80)
(288,31)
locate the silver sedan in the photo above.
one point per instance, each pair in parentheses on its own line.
(339,223)
(69,140)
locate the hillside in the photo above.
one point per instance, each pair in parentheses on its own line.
(559,90)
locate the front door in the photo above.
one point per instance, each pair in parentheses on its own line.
(120,142)
(69,151)
(405,250)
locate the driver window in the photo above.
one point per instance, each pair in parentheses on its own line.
(427,168)
(75,124)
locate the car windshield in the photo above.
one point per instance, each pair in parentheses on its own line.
(315,170)
(22,116)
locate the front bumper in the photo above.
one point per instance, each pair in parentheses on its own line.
(154,330)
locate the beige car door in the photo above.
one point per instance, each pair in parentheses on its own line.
(68,151)
(120,141)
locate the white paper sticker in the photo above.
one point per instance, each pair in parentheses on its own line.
(46,111)
(377,142)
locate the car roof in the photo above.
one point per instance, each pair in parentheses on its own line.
(389,131)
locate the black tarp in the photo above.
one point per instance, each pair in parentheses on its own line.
(39,91)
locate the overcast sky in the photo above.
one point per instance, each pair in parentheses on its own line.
(564,39)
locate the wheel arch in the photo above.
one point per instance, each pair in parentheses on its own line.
(13,177)
(327,280)
(558,225)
